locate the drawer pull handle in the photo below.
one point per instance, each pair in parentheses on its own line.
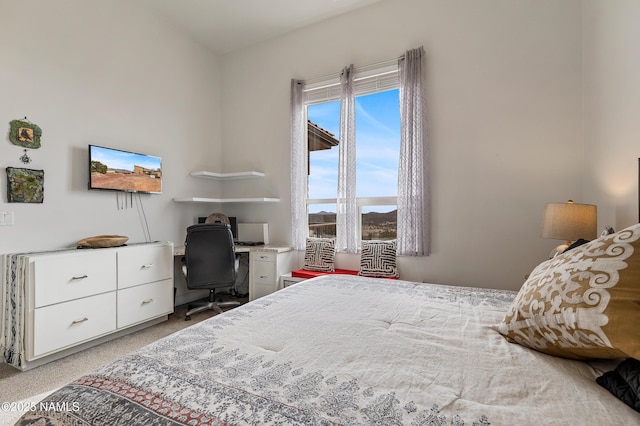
(79,277)
(144,302)
(147,266)
(80,321)
(263,276)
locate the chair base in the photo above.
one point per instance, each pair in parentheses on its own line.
(214,306)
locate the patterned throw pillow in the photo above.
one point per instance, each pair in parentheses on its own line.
(378,259)
(320,254)
(584,303)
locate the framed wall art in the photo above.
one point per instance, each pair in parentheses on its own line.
(24,133)
(25,185)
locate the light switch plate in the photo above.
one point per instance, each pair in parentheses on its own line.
(6,218)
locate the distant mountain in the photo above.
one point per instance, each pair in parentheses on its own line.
(322,217)
(373,218)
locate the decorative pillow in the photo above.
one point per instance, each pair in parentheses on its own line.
(577,243)
(320,254)
(584,303)
(624,382)
(378,259)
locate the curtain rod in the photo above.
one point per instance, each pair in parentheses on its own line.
(319,79)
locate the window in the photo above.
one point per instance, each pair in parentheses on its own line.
(377,120)
(315,100)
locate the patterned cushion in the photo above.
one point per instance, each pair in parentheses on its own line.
(378,259)
(584,303)
(320,254)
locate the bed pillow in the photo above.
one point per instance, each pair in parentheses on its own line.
(320,254)
(624,382)
(378,259)
(577,243)
(584,303)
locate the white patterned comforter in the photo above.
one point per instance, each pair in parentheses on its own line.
(343,350)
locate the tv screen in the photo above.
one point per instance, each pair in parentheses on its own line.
(117,170)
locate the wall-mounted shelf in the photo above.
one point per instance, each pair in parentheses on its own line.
(224,177)
(225,200)
(227,176)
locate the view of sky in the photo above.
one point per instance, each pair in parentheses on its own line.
(377,148)
(115,159)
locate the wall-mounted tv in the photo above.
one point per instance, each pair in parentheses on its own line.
(118,170)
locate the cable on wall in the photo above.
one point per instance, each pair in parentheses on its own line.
(125,200)
(143,219)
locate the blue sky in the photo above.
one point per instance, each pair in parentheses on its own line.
(377,147)
(115,159)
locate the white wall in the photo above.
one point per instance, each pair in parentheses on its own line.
(503,83)
(612,102)
(105,73)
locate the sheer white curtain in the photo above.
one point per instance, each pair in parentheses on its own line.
(298,129)
(414,223)
(346,214)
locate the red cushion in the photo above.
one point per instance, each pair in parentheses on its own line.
(303,273)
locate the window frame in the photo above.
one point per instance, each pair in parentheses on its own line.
(376,78)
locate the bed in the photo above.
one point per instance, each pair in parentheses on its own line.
(344,350)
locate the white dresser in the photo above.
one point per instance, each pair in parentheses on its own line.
(65,301)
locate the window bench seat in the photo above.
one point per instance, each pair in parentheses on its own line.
(303,273)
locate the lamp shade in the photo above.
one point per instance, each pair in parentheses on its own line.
(569,221)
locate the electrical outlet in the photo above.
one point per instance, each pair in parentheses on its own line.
(6,218)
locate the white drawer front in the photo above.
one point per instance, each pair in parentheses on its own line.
(63,277)
(140,265)
(66,324)
(286,282)
(144,302)
(260,290)
(264,272)
(264,257)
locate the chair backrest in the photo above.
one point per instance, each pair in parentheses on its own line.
(210,256)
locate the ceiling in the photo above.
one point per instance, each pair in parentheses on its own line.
(228,25)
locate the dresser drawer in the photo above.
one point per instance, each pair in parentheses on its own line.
(62,277)
(263,272)
(260,290)
(144,302)
(264,257)
(65,324)
(144,264)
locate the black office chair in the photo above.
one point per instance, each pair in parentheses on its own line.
(210,263)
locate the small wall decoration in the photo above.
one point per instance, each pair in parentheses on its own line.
(25,157)
(25,185)
(24,133)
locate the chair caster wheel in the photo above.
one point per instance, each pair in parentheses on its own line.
(187,318)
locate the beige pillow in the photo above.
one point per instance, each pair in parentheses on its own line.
(584,303)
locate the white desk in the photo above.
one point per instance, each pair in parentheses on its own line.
(266,264)
(179,250)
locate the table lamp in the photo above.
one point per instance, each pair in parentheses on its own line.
(569,221)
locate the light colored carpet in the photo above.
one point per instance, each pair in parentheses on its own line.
(18,385)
